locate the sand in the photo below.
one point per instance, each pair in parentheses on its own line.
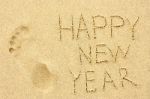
(74,49)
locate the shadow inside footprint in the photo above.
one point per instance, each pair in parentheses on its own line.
(17,37)
(42,77)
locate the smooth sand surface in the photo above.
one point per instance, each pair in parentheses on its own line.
(74,49)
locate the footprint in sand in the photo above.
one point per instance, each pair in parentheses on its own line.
(41,77)
(17,39)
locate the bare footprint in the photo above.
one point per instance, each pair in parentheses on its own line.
(17,38)
(40,76)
